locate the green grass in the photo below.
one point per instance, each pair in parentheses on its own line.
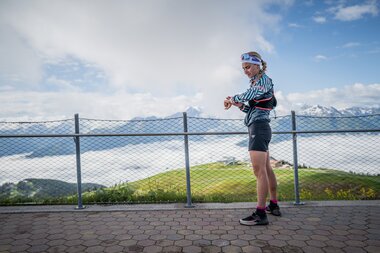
(216,182)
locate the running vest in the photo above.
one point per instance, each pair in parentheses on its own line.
(264,104)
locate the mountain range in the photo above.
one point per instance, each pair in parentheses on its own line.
(308,118)
(41,189)
(323,111)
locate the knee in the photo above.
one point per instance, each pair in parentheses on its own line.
(259,171)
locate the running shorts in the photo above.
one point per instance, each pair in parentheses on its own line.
(260,135)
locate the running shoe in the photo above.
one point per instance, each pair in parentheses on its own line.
(273,209)
(255,219)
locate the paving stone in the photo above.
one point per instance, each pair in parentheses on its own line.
(220,242)
(164,243)
(153,249)
(332,250)
(297,243)
(271,249)
(353,250)
(251,249)
(192,249)
(291,249)
(146,243)
(372,249)
(183,243)
(317,244)
(94,249)
(304,229)
(171,249)
(277,243)
(239,242)
(37,248)
(56,249)
(231,249)
(311,249)
(20,248)
(76,248)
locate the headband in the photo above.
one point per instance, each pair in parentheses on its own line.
(250,59)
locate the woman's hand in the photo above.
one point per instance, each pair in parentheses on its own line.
(228,102)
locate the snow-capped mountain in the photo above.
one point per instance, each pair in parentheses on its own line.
(323,111)
(322,118)
(190,111)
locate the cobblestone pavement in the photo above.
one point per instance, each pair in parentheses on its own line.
(300,229)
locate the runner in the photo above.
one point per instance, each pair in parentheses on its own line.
(257,102)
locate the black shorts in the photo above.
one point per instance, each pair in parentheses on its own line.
(260,135)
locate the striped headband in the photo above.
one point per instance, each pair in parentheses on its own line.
(250,59)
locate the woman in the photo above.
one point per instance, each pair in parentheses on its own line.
(257,102)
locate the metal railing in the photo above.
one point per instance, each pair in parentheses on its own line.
(185,159)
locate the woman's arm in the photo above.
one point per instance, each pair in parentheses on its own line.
(261,87)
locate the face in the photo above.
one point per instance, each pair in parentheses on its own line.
(250,69)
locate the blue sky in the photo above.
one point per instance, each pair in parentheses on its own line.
(121,59)
(318,48)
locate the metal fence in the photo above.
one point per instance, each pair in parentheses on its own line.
(185,159)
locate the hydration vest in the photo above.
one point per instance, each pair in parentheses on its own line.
(264,104)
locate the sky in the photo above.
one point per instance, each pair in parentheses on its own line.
(122,59)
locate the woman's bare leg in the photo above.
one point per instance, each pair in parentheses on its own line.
(259,161)
(272,182)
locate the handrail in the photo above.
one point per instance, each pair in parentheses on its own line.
(180,133)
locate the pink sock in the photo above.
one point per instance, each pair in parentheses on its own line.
(259,208)
(274,201)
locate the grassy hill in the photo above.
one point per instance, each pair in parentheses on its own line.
(36,190)
(213,182)
(217,182)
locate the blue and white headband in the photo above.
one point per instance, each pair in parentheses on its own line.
(250,59)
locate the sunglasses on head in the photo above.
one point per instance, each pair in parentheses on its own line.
(250,59)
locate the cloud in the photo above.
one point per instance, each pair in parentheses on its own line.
(355,12)
(351,44)
(160,48)
(319,19)
(357,94)
(40,106)
(20,65)
(294,25)
(32,105)
(143,43)
(320,57)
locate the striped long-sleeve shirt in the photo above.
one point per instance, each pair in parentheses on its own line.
(263,88)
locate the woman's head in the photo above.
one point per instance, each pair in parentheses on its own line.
(253,64)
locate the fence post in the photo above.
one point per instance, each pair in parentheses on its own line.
(79,175)
(187,161)
(295,160)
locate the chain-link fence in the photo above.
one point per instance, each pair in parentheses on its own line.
(185,159)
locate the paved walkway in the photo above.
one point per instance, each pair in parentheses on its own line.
(314,227)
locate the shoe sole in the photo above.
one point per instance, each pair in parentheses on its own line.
(279,215)
(268,211)
(247,223)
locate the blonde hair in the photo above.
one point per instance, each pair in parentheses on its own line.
(263,63)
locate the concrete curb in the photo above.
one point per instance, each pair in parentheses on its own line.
(175,206)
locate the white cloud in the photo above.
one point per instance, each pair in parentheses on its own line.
(128,163)
(320,57)
(36,106)
(294,25)
(349,96)
(20,65)
(351,44)
(161,48)
(355,12)
(32,105)
(319,19)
